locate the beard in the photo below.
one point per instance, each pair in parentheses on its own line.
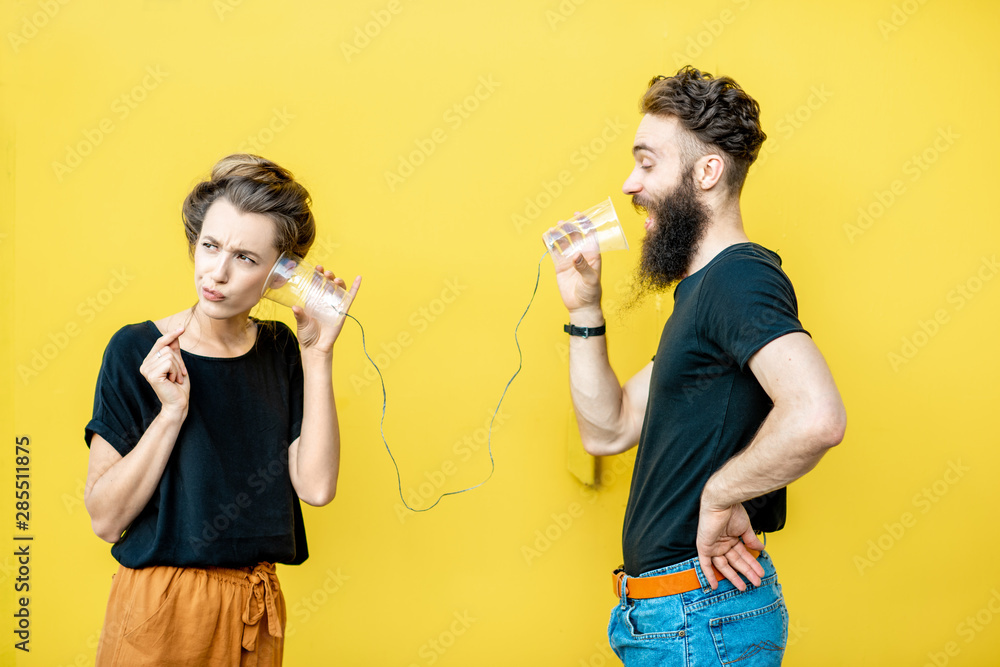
(680,221)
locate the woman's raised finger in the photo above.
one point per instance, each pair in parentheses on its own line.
(167,349)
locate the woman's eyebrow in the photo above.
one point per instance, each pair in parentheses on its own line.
(237,251)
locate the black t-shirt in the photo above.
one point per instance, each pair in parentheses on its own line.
(225,498)
(705,403)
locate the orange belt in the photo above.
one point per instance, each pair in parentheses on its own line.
(641,588)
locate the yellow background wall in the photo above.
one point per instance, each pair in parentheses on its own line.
(876,187)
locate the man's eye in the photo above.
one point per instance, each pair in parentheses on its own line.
(244,258)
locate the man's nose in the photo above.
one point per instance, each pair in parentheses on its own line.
(631,186)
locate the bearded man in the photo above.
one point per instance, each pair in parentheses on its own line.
(737,403)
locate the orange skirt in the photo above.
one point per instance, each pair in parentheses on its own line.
(215,616)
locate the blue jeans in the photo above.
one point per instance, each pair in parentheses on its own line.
(703,627)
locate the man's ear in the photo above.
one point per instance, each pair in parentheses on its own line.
(708,170)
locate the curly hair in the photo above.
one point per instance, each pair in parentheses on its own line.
(253,184)
(717,112)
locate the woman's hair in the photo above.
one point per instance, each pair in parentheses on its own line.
(254,185)
(717,112)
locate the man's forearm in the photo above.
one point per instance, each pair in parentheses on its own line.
(596,392)
(788,445)
(808,418)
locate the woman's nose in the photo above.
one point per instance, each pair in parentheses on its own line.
(220,271)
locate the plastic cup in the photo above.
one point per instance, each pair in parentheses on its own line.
(295,282)
(595,230)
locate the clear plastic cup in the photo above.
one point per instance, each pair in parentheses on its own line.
(595,230)
(295,282)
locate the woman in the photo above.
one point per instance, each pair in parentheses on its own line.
(209,427)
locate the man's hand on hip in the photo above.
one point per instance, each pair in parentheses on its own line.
(723,538)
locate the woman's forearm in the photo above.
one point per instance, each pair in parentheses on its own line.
(314,459)
(118,488)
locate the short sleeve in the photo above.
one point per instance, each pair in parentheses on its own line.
(122,397)
(747,301)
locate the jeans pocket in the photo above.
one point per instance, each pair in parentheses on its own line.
(613,633)
(653,619)
(752,638)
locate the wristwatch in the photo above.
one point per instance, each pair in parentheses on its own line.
(584,332)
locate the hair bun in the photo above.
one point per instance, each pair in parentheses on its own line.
(252,167)
(253,184)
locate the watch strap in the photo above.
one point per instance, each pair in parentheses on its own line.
(584,332)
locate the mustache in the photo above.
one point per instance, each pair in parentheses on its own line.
(640,204)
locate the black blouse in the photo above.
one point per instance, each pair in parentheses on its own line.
(225,498)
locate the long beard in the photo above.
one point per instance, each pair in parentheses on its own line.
(681,220)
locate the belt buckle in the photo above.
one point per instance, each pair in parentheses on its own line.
(618,575)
